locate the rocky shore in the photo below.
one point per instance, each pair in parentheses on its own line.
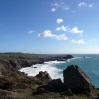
(75,80)
(17,85)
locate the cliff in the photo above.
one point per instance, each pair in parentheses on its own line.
(18,60)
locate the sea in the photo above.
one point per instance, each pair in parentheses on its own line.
(89,63)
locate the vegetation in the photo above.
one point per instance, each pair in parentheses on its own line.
(24,55)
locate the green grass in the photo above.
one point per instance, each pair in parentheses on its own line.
(27,94)
(24,55)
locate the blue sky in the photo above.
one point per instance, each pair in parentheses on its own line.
(49,26)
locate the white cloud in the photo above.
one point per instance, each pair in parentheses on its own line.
(61,37)
(82,4)
(65,7)
(91,5)
(48,33)
(53,9)
(78,42)
(56,6)
(63,28)
(75,30)
(85,4)
(30,32)
(59,21)
(72,40)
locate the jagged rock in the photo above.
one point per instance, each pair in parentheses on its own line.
(55,85)
(76,80)
(44,77)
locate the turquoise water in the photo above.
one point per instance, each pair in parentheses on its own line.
(89,64)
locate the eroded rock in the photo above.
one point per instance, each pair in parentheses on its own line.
(44,77)
(55,85)
(76,80)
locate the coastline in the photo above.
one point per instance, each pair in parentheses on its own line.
(48,66)
(22,84)
(87,64)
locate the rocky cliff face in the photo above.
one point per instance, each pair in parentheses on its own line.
(27,62)
(76,80)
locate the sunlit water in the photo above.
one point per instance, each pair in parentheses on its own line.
(89,64)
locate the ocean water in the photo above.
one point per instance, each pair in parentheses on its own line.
(89,64)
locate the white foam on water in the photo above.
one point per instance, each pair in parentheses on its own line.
(47,66)
(73,59)
(51,62)
(87,57)
(77,57)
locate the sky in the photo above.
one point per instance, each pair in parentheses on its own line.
(49,26)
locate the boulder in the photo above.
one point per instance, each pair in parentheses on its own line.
(55,85)
(44,77)
(76,80)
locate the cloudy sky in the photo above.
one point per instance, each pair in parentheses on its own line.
(49,26)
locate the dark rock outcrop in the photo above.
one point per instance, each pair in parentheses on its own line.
(24,63)
(13,64)
(55,85)
(44,77)
(68,57)
(76,80)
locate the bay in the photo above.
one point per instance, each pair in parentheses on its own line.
(89,63)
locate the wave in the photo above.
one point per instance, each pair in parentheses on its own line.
(56,62)
(47,66)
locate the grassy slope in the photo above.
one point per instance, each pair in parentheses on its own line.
(24,55)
